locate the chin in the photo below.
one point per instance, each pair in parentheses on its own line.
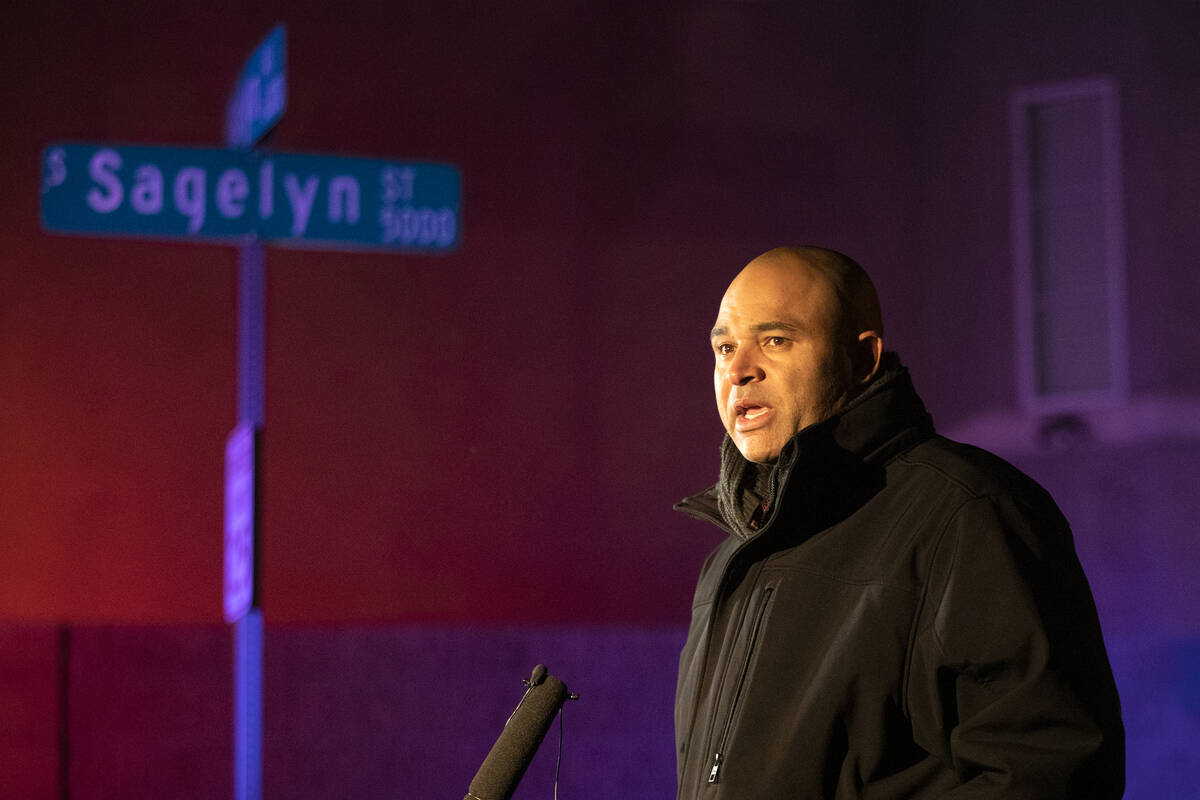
(758,452)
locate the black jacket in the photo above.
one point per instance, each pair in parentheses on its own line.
(910,621)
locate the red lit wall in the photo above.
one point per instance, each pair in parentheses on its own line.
(493,435)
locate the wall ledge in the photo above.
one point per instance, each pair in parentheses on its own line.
(1143,419)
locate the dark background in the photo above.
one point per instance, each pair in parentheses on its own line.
(492,439)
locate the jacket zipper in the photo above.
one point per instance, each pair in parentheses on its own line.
(714,773)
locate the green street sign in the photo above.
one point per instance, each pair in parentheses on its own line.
(223,196)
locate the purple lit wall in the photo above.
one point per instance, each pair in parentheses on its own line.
(470,459)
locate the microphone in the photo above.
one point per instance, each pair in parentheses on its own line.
(505,765)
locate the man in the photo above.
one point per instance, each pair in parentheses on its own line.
(893,615)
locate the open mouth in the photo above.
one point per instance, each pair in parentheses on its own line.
(751,415)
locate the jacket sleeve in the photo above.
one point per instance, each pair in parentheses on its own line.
(1009,682)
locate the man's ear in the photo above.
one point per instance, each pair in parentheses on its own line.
(868,352)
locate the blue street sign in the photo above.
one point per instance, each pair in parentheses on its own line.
(209,194)
(260,94)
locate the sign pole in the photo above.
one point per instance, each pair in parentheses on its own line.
(248,628)
(251,331)
(259,98)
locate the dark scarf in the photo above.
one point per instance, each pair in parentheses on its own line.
(745,491)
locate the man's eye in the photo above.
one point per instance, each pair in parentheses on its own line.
(724,348)
(776,341)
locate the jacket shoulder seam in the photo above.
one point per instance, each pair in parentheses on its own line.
(971,492)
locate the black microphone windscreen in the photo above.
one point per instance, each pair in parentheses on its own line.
(505,765)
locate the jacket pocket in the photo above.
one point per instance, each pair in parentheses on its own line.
(718,760)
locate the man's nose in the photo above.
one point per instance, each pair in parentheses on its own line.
(745,368)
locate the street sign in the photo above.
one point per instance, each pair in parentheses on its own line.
(243,196)
(358,202)
(260,94)
(225,195)
(147,191)
(239,522)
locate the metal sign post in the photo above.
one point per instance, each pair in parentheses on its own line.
(259,98)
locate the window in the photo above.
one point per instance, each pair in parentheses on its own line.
(1069,247)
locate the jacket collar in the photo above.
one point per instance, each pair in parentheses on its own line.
(876,425)
(832,459)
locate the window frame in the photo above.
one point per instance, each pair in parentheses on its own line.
(1022,101)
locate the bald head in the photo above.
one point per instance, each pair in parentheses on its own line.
(856,303)
(798,334)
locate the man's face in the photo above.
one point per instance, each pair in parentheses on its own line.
(779,364)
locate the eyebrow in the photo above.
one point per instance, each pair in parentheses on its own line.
(761,327)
